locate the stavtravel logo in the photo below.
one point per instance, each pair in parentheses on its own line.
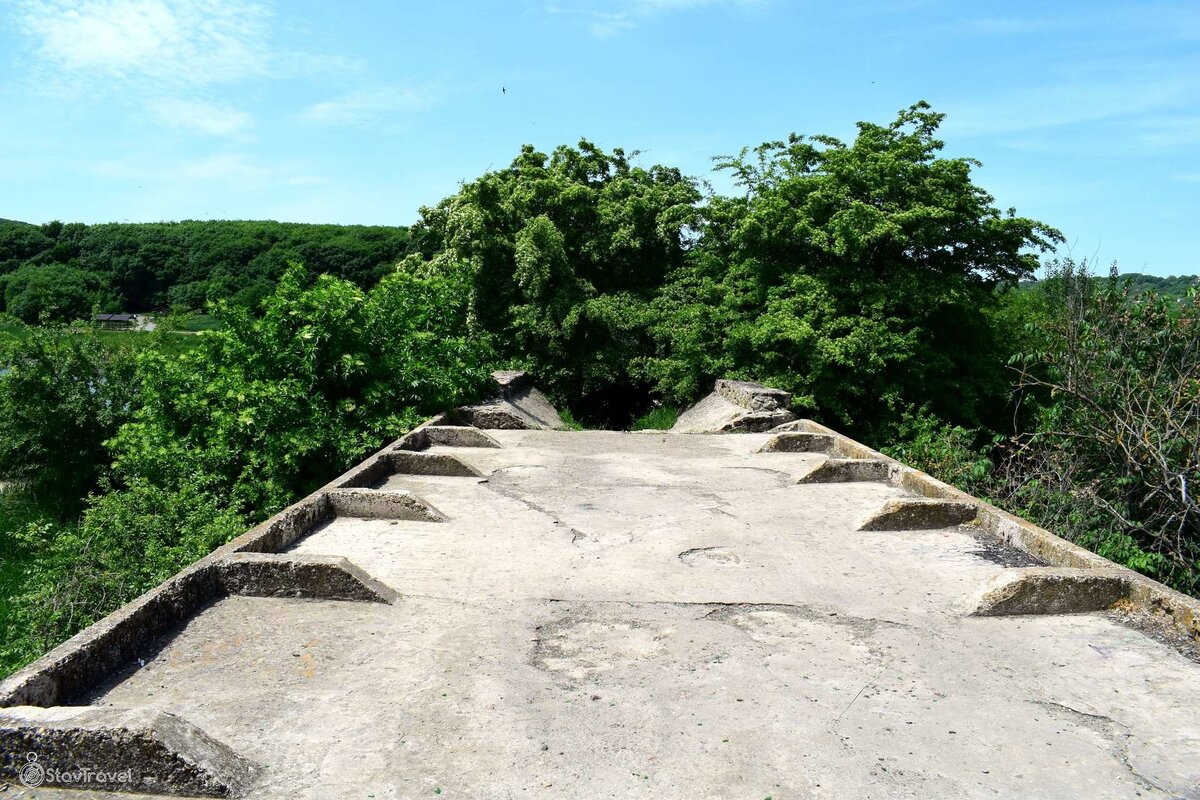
(34,774)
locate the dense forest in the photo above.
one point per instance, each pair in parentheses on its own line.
(63,271)
(873,279)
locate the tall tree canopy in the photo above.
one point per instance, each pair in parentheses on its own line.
(858,276)
(563,256)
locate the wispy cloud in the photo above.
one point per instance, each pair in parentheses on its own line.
(166,43)
(364,107)
(199,116)
(616,17)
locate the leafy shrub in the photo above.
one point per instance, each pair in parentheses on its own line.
(267,408)
(64,395)
(949,453)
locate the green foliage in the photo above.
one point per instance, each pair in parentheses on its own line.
(144,266)
(657,419)
(949,453)
(55,291)
(1115,385)
(65,393)
(267,408)
(562,256)
(856,276)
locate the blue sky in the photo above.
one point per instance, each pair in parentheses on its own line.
(1085,114)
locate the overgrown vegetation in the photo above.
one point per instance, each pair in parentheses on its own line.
(873,279)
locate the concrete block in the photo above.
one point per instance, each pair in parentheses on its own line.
(1049,590)
(848,470)
(799,442)
(406,462)
(116,749)
(717,414)
(380,504)
(753,396)
(919,513)
(301,576)
(517,405)
(447,436)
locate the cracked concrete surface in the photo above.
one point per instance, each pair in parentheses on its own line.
(608,615)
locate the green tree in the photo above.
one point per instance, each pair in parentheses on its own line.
(563,255)
(858,276)
(267,408)
(54,291)
(63,394)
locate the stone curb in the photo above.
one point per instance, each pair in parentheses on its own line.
(1145,594)
(137,750)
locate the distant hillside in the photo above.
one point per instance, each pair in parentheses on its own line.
(61,267)
(1170,286)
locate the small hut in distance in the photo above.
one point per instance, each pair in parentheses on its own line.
(115,322)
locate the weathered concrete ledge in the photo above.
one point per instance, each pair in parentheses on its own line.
(383,504)
(516,405)
(84,660)
(849,470)
(406,462)
(446,436)
(115,749)
(736,406)
(799,442)
(309,577)
(1049,590)
(919,513)
(1145,594)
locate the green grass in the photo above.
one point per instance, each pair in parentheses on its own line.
(200,322)
(17,645)
(658,419)
(169,341)
(569,421)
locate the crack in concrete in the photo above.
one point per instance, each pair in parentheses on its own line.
(1104,725)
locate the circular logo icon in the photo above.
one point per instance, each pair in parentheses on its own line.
(33,773)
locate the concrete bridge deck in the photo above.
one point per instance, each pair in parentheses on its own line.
(616,615)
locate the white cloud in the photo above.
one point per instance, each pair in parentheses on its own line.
(198,116)
(158,42)
(366,106)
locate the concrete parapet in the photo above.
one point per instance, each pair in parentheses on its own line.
(1049,590)
(406,462)
(799,442)
(116,749)
(918,513)
(849,470)
(74,666)
(309,577)
(446,436)
(383,504)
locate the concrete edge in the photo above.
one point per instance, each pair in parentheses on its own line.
(383,504)
(1048,590)
(449,436)
(137,750)
(799,442)
(114,641)
(919,514)
(848,470)
(310,577)
(1145,594)
(408,462)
